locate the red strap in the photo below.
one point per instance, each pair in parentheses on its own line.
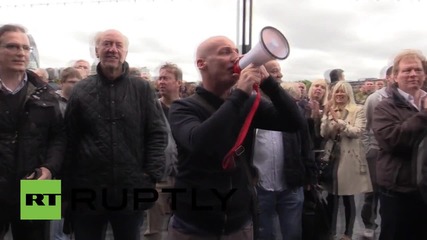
(228,162)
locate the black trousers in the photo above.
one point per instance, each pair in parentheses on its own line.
(92,225)
(21,229)
(349,210)
(403,216)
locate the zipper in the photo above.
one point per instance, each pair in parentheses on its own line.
(15,138)
(225,213)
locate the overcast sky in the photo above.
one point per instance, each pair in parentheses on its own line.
(359,36)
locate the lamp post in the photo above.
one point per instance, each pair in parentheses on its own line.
(245,19)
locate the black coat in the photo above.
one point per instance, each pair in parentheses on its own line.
(33,138)
(419,166)
(203,139)
(300,168)
(116,134)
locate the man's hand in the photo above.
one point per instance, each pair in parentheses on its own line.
(249,76)
(264,72)
(44,174)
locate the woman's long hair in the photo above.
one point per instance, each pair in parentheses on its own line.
(322,82)
(348,90)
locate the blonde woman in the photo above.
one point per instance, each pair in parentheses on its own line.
(318,97)
(343,123)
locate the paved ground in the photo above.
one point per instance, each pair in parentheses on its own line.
(358,226)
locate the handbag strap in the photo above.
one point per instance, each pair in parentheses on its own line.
(229,160)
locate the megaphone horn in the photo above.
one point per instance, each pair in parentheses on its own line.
(272,45)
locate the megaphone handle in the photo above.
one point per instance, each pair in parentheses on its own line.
(229,162)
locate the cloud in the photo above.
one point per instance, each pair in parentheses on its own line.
(359,36)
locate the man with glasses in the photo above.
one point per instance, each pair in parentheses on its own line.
(31,136)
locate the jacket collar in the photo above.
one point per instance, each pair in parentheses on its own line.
(36,87)
(122,76)
(211,98)
(398,99)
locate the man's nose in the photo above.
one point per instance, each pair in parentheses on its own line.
(413,72)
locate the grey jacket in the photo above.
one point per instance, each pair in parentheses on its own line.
(371,103)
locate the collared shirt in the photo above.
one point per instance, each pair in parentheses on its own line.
(269,159)
(411,99)
(62,101)
(17,89)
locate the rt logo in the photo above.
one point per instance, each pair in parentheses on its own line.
(40,199)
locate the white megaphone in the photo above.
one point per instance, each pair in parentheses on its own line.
(272,45)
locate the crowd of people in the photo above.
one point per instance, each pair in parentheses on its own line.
(226,159)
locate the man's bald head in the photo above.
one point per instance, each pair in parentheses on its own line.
(274,69)
(215,59)
(209,46)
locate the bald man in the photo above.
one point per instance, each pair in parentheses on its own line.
(205,127)
(274,69)
(43,74)
(117,138)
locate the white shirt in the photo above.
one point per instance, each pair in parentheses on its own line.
(269,159)
(20,86)
(411,99)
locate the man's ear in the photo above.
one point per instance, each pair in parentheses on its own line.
(201,64)
(96,52)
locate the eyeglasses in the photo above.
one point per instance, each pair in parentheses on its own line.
(13,47)
(81,67)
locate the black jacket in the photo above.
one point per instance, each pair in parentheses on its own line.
(419,166)
(203,140)
(33,138)
(116,134)
(300,167)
